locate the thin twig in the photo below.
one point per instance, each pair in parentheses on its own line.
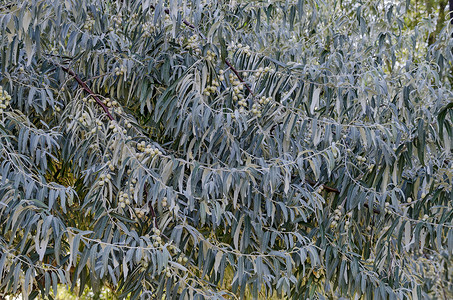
(89,91)
(238,76)
(151,209)
(191,26)
(327,188)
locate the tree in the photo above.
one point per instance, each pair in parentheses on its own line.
(216,150)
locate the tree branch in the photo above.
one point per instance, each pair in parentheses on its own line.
(327,188)
(238,76)
(89,91)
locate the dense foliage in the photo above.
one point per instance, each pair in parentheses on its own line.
(225,149)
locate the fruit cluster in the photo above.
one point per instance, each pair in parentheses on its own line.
(361,158)
(237,88)
(116,128)
(120,71)
(104,178)
(164,202)
(5,99)
(320,189)
(127,124)
(263,100)
(256,109)
(89,23)
(337,215)
(148,149)
(210,56)
(193,44)
(140,212)
(261,71)
(148,29)
(85,119)
(347,223)
(211,89)
(118,19)
(123,199)
(107,101)
(243,48)
(99,126)
(158,242)
(221,77)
